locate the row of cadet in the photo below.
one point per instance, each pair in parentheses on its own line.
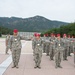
(56,48)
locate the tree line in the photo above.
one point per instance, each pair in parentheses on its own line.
(68,29)
(5,31)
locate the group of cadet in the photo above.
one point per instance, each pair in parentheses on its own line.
(55,47)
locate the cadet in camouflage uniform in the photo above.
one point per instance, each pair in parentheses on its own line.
(38,51)
(7,43)
(33,45)
(65,43)
(47,42)
(15,46)
(58,51)
(44,44)
(69,45)
(52,46)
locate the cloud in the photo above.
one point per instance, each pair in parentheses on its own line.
(52,9)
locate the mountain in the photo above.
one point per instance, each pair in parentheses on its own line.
(36,23)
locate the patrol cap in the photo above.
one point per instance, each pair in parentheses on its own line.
(37,34)
(64,35)
(58,35)
(15,31)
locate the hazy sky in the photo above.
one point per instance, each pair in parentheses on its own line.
(62,10)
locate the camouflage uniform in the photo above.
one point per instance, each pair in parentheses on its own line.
(47,42)
(15,46)
(58,52)
(71,45)
(52,47)
(44,45)
(7,43)
(65,52)
(33,45)
(69,50)
(38,52)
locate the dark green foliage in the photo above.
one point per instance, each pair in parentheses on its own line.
(4,30)
(68,29)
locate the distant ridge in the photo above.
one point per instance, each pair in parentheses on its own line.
(36,23)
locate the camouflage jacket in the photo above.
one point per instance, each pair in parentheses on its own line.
(38,45)
(59,47)
(15,42)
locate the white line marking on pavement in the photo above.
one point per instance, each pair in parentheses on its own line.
(5,65)
(24,44)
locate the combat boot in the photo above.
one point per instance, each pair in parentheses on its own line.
(35,65)
(39,67)
(66,59)
(13,65)
(56,66)
(16,65)
(59,66)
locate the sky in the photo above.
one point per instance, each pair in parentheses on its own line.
(62,10)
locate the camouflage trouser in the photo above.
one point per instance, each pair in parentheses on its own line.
(65,54)
(37,59)
(47,50)
(69,50)
(58,55)
(58,59)
(16,56)
(51,52)
(7,48)
(33,50)
(44,48)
